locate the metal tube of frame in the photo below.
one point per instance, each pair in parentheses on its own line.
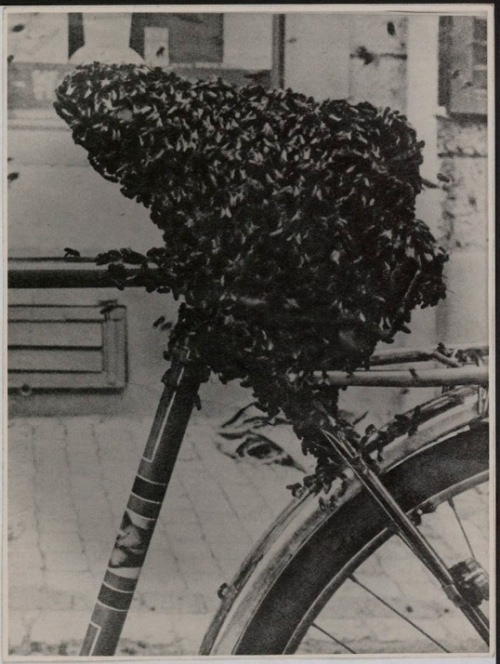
(400,355)
(142,511)
(466,375)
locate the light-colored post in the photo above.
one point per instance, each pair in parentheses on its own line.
(278,51)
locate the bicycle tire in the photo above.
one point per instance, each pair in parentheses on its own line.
(280,583)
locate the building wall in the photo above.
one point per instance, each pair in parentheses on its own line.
(378,60)
(59,201)
(463,154)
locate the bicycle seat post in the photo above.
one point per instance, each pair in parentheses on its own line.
(182,382)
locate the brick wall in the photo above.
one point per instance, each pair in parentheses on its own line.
(463,153)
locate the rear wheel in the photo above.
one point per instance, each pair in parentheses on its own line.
(320,599)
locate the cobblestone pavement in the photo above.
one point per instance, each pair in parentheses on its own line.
(68,482)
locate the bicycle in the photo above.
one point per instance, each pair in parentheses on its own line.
(289,571)
(420,460)
(388,479)
(287,579)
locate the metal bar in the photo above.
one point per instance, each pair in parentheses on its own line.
(443,359)
(389,606)
(335,640)
(400,355)
(72,275)
(60,272)
(143,508)
(59,278)
(467,375)
(37,260)
(451,503)
(278,52)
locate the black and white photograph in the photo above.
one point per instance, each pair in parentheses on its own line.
(248,330)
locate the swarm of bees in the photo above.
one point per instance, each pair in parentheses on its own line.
(289,225)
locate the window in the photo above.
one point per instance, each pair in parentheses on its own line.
(463,76)
(67,347)
(76,37)
(235,46)
(189,38)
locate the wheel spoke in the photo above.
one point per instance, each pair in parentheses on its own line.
(340,643)
(451,503)
(398,613)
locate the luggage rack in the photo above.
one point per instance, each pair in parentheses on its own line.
(82,272)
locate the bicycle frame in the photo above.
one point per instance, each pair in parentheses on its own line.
(169,425)
(406,529)
(153,477)
(367,475)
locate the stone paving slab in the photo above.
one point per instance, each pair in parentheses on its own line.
(69,479)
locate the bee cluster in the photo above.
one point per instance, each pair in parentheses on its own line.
(289,225)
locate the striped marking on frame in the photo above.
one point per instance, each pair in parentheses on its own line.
(115,599)
(117,582)
(143,507)
(106,607)
(148,490)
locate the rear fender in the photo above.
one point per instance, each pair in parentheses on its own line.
(442,417)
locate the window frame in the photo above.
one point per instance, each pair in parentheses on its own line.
(457,90)
(113,376)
